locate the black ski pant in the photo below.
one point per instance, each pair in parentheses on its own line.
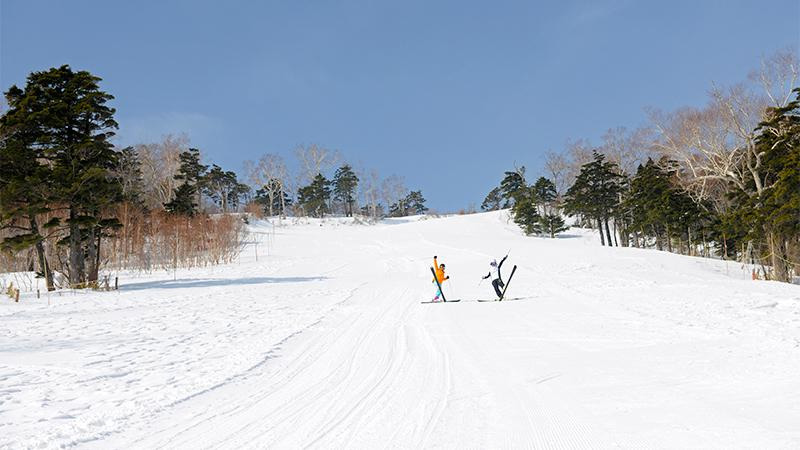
(497,284)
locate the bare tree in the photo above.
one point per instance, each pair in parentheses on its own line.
(269,173)
(778,75)
(315,160)
(718,142)
(369,188)
(160,162)
(627,149)
(579,152)
(556,165)
(393,189)
(701,141)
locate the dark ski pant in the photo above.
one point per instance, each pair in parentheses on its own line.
(497,284)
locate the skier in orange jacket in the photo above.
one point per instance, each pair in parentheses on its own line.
(440,276)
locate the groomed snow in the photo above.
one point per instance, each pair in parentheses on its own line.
(323,342)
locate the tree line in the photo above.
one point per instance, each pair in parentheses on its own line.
(721,181)
(71,202)
(325,184)
(534,207)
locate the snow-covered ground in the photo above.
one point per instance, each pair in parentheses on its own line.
(323,342)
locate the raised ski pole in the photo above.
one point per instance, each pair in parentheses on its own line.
(513,269)
(437,283)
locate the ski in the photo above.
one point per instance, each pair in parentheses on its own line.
(513,269)
(433,271)
(485,300)
(449,301)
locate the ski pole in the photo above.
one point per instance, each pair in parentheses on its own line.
(452,289)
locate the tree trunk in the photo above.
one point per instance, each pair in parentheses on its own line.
(724,247)
(624,236)
(777,247)
(615,232)
(705,245)
(46,271)
(93,255)
(283,202)
(600,227)
(669,240)
(76,259)
(608,232)
(657,235)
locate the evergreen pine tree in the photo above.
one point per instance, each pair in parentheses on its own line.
(223,188)
(129,172)
(552,224)
(774,216)
(415,202)
(595,193)
(314,197)
(541,199)
(493,200)
(513,185)
(186,198)
(24,182)
(71,123)
(524,211)
(345,182)
(544,194)
(263,198)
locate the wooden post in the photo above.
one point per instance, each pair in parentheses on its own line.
(16,298)
(116,283)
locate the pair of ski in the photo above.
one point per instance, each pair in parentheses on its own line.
(445,300)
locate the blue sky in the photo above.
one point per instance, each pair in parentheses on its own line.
(447,95)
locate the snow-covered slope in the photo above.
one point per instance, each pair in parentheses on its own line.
(323,342)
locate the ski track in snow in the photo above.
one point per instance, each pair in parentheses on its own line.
(323,343)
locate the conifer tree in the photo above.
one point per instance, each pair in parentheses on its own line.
(314,197)
(774,216)
(266,194)
(345,182)
(25,183)
(544,195)
(415,202)
(186,198)
(552,224)
(412,203)
(525,212)
(513,184)
(493,200)
(595,193)
(223,188)
(129,172)
(71,124)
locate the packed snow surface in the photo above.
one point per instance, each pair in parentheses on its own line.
(318,338)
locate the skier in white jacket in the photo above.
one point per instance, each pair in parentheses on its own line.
(497,278)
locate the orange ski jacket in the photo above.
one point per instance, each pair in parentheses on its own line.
(439,271)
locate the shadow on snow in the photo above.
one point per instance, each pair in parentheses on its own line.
(211,282)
